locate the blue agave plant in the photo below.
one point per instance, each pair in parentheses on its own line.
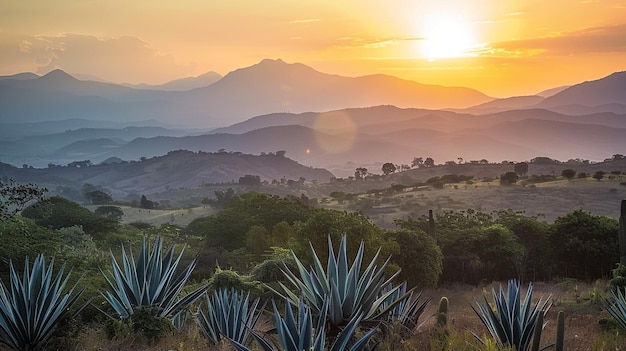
(616,306)
(30,308)
(407,311)
(513,322)
(229,313)
(301,331)
(151,281)
(348,291)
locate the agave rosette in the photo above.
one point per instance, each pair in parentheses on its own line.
(229,314)
(348,291)
(152,280)
(30,308)
(513,322)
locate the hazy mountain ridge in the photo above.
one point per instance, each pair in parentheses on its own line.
(182,84)
(174,170)
(608,90)
(381,134)
(339,139)
(267,87)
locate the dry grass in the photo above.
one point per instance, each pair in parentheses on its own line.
(581,303)
(155,217)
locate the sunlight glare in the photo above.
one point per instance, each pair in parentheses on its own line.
(446,36)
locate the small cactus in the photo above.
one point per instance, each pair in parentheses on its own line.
(442,313)
(622,233)
(431,224)
(560,331)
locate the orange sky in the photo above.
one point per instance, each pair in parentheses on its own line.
(501,47)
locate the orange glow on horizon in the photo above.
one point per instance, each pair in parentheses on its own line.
(502,48)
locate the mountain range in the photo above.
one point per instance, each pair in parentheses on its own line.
(267,87)
(319,119)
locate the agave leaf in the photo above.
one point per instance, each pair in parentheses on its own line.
(616,306)
(30,308)
(150,280)
(348,290)
(513,322)
(229,314)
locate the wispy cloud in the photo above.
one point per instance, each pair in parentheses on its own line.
(121,59)
(353,42)
(306,20)
(589,40)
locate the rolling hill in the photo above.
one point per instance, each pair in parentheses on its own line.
(176,169)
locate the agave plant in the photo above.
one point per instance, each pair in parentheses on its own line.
(230,314)
(406,312)
(151,281)
(31,307)
(513,322)
(348,291)
(616,306)
(296,332)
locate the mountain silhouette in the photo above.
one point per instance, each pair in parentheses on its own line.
(267,87)
(608,92)
(182,84)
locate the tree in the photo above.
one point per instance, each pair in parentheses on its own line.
(15,197)
(543,160)
(508,178)
(360,173)
(418,255)
(500,252)
(584,245)
(598,175)
(250,180)
(388,168)
(228,228)
(258,240)
(521,168)
(112,212)
(568,173)
(145,203)
(324,223)
(429,162)
(533,235)
(458,236)
(417,162)
(98,197)
(58,212)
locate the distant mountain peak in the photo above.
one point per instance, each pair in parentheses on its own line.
(271,61)
(58,75)
(604,91)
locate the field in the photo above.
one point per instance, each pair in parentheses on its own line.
(157,217)
(587,326)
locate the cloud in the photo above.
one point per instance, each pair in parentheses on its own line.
(121,59)
(606,39)
(375,43)
(307,20)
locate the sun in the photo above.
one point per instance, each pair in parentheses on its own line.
(445,36)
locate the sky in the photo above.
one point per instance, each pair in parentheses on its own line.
(500,47)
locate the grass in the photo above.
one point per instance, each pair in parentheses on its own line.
(548,200)
(157,217)
(587,326)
